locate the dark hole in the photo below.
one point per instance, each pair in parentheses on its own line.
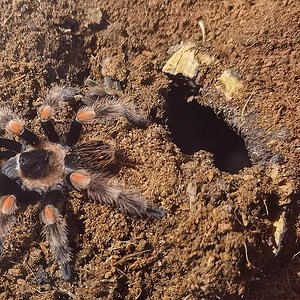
(195,127)
(272,206)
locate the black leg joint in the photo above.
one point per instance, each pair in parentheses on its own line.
(11,145)
(50,131)
(51,197)
(68,180)
(8,186)
(74,133)
(6,154)
(30,137)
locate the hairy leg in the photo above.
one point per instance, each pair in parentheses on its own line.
(8,208)
(8,186)
(55,98)
(97,189)
(55,231)
(11,196)
(6,154)
(111,108)
(13,124)
(11,145)
(101,106)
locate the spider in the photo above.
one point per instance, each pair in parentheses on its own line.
(53,166)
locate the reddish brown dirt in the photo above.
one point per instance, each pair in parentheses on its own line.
(198,251)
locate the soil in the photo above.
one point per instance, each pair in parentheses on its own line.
(217,240)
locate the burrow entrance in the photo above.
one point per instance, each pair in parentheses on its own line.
(196,127)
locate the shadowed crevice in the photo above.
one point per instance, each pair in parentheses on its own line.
(196,127)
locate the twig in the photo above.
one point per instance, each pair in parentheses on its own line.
(35,289)
(27,267)
(188,296)
(7,19)
(266,206)
(246,254)
(70,294)
(121,272)
(247,258)
(202,27)
(191,191)
(247,101)
(106,280)
(12,81)
(295,255)
(130,256)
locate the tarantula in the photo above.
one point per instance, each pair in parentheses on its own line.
(55,166)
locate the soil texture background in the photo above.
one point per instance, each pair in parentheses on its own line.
(224,199)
